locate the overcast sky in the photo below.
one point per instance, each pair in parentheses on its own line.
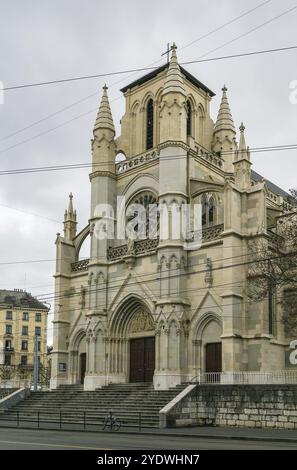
(46,40)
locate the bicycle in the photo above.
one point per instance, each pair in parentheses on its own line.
(111,422)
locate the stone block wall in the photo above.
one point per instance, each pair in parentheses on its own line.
(253,406)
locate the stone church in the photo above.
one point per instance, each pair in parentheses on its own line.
(150,309)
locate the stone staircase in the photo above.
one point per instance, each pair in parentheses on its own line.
(130,403)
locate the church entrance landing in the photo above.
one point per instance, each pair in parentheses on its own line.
(142,359)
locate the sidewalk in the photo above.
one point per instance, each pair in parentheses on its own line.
(212,432)
(206,432)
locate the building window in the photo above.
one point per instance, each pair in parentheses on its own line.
(37,331)
(204,209)
(211,209)
(37,316)
(24,330)
(39,346)
(25,316)
(189,118)
(9,315)
(8,345)
(7,360)
(25,345)
(150,124)
(24,360)
(270,310)
(8,329)
(143,216)
(62,366)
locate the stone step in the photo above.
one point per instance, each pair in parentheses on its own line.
(137,408)
(89,410)
(128,402)
(118,412)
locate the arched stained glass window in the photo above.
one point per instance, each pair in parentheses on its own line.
(189,118)
(204,209)
(150,224)
(150,124)
(211,209)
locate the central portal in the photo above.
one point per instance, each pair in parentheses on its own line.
(142,359)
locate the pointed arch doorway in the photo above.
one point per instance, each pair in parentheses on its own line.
(132,347)
(142,347)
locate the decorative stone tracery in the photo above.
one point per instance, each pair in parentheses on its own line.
(141,321)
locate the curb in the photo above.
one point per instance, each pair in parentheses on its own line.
(166,434)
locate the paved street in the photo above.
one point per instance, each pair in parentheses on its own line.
(22,439)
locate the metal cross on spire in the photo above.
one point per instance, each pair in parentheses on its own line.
(167,52)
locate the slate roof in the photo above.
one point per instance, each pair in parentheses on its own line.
(153,73)
(273,187)
(21,299)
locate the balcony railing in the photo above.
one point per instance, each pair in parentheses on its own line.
(141,247)
(210,157)
(148,246)
(79,266)
(208,234)
(246,378)
(136,161)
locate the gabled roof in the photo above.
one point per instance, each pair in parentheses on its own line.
(21,299)
(154,73)
(273,187)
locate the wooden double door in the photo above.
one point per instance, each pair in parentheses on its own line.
(142,359)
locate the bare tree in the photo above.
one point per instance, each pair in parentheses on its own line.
(273,264)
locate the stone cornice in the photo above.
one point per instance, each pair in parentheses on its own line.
(97,173)
(173,301)
(232,294)
(173,193)
(173,143)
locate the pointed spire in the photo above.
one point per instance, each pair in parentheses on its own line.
(174,81)
(70,204)
(224,119)
(243,150)
(242,144)
(70,214)
(70,220)
(104,117)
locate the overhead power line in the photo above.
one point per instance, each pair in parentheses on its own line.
(65,108)
(113,285)
(74,166)
(143,69)
(219,28)
(252,30)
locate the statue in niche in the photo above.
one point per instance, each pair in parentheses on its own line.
(141,321)
(82,297)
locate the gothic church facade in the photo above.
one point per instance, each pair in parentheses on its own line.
(153,310)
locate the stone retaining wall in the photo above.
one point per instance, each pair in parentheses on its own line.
(12,399)
(257,406)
